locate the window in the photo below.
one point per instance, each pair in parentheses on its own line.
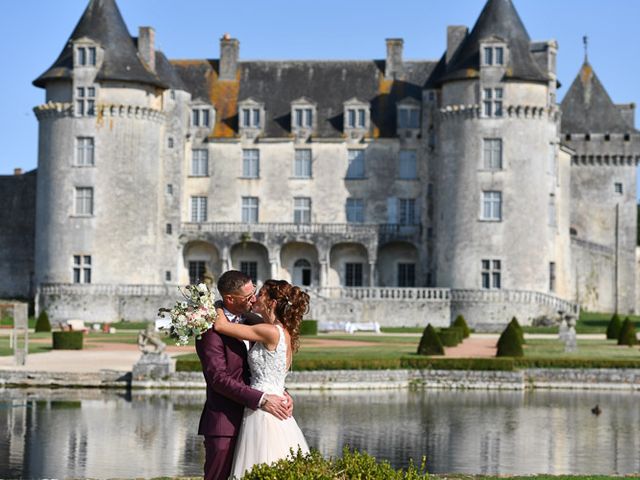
(82,269)
(251,163)
(169,189)
(492,153)
(85,101)
(406,274)
(355,210)
(302,163)
(408,117)
(493,56)
(356,118)
(353,275)
(84,201)
(200,117)
(250,269)
(84,152)
(408,165)
(198,209)
(302,272)
(491,274)
(197,269)
(168,229)
(250,209)
(552,276)
(492,101)
(356,164)
(85,56)
(618,188)
(200,163)
(301,210)
(491,205)
(303,117)
(170,142)
(407,211)
(250,118)
(167,276)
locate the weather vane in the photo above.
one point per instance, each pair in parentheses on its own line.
(585,41)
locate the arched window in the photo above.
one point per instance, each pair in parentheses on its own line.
(302,272)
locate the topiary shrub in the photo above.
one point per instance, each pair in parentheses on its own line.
(614,327)
(518,328)
(509,344)
(309,327)
(430,343)
(628,333)
(450,337)
(460,322)
(67,340)
(42,323)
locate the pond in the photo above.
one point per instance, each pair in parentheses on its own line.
(97,434)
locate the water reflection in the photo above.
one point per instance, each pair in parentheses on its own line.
(97,434)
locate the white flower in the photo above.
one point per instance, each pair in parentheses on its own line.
(202,287)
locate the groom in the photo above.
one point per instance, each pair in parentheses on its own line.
(225,368)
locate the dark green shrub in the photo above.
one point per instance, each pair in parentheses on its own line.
(450,337)
(460,322)
(352,464)
(628,333)
(575,362)
(614,327)
(42,323)
(431,363)
(67,340)
(430,343)
(516,325)
(309,327)
(509,343)
(345,364)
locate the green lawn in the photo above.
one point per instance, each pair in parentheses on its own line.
(5,350)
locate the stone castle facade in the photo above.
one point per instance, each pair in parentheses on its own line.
(401,191)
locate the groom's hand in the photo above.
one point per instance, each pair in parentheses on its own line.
(277,406)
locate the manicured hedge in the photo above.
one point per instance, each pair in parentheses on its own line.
(311,364)
(309,327)
(430,343)
(42,323)
(575,362)
(518,328)
(67,340)
(430,363)
(450,337)
(460,322)
(614,327)
(628,333)
(509,344)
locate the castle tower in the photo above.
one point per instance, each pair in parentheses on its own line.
(500,219)
(606,149)
(99,213)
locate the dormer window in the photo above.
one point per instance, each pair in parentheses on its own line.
(303,116)
(86,56)
(493,52)
(356,117)
(409,114)
(251,115)
(201,117)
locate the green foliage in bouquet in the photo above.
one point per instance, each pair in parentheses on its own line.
(614,327)
(460,322)
(352,465)
(430,343)
(42,323)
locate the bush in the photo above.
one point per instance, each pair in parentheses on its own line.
(309,327)
(423,363)
(575,362)
(353,464)
(430,343)
(628,333)
(67,340)
(614,327)
(460,322)
(516,325)
(42,323)
(509,343)
(450,337)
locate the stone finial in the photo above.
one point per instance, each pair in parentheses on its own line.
(17,171)
(229,53)
(393,66)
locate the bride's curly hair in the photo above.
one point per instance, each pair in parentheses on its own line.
(291,304)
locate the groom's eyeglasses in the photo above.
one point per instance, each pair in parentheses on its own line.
(246,298)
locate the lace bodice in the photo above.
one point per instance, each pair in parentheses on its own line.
(269,369)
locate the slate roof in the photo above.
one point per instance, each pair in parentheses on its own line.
(499,18)
(103,23)
(326,83)
(587,107)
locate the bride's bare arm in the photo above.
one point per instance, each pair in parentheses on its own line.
(263,332)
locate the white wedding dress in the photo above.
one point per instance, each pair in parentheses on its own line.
(263,438)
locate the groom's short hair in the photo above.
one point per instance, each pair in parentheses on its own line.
(232,281)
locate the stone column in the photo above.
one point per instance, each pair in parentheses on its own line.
(372,273)
(226,258)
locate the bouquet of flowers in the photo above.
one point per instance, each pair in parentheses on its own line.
(192,316)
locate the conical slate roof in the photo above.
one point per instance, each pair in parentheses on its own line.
(500,19)
(103,23)
(588,108)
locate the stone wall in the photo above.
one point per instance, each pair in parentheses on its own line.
(594,275)
(17,234)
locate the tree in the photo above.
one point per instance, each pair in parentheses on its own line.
(628,333)
(614,327)
(430,343)
(42,323)
(460,322)
(509,343)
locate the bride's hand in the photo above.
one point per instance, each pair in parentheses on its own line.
(221,318)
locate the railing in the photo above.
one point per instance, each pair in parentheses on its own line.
(382,293)
(107,289)
(365,229)
(514,296)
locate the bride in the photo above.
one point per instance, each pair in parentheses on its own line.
(263,438)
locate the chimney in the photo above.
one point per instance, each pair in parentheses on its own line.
(146,46)
(229,52)
(17,171)
(455,36)
(393,66)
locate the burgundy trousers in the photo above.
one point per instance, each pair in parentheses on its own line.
(219,457)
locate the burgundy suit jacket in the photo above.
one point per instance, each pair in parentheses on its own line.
(225,368)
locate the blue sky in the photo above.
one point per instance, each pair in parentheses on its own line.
(33,32)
